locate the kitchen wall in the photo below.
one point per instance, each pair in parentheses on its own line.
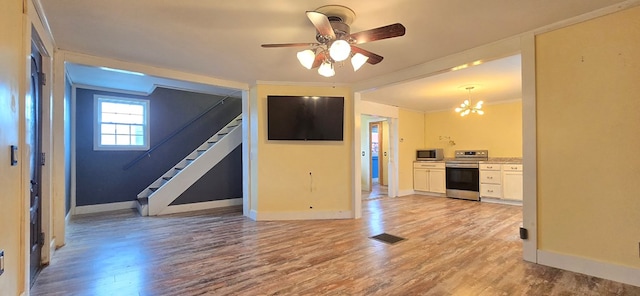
(499,130)
(411,131)
(588,136)
(300,179)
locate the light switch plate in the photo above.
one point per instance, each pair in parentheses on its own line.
(1,262)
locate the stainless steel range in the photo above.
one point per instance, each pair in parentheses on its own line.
(463,175)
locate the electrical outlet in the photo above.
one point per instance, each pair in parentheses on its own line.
(1,262)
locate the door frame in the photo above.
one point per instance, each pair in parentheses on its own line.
(380,146)
(36,153)
(36,31)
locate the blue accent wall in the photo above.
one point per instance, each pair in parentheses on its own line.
(100,177)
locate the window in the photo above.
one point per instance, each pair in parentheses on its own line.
(121,123)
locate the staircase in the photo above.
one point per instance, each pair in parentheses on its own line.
(163,191)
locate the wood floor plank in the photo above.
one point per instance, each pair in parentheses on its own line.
(452,247)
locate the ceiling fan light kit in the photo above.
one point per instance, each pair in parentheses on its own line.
(358,60)
(336,43)
(306,58)
(326,69)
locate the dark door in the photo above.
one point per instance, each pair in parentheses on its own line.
(34,141)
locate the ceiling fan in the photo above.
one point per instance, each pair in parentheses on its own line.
(335,41)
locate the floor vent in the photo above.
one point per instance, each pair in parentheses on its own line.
(387,238)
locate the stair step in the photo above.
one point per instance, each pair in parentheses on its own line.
(143,200)
(178,169)
(212,142)
(153,189)
(167,178)
(222,134)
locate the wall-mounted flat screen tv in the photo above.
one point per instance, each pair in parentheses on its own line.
(305,118)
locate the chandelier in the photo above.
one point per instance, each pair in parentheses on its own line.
(465,108)
(336,52)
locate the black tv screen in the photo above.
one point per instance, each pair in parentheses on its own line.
(305,118)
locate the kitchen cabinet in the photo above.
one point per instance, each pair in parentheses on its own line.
(512,181)
(490,180)
(501,181)
(429,177)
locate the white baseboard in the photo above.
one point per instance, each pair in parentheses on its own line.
(406,192)
(310,215)
(426,193)
(105,207)
(618,273)
(501,201)
(201,206)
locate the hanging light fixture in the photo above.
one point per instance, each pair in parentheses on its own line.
(326,69)
(465,108)
(306,58)
(358,60)
(339,50)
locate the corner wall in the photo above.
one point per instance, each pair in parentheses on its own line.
(588,137)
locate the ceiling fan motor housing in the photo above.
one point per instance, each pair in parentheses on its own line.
(341,30)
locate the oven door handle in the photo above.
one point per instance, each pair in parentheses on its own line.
(462,166)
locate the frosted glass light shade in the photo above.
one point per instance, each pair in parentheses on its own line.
(306,58)
(340,50)
(358,60)
(326,70)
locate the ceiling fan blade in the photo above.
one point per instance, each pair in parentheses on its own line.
(289,45)
(373,58)
(322,24)
(390,31)
(320,57)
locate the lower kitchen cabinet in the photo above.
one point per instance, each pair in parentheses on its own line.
(501,181)
(512,179)
(490,180)
(429,177)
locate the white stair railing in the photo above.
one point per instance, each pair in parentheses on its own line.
(163,191)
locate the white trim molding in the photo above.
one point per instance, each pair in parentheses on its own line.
(406,192)
(308,215)
(190,207)
(115,206)
(618,273)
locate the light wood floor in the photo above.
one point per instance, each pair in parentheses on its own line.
(377,191)
(452,247)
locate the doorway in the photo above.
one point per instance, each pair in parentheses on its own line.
(36,159)
(377,142)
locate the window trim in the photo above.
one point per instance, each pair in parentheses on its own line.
(97,110)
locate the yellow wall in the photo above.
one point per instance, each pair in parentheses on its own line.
(588,124)
(411,136)
(283,167)
(13,64)
(499,130)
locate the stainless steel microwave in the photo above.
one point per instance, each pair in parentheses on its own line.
(429,154)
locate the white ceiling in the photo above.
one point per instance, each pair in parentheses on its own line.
(222,39)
